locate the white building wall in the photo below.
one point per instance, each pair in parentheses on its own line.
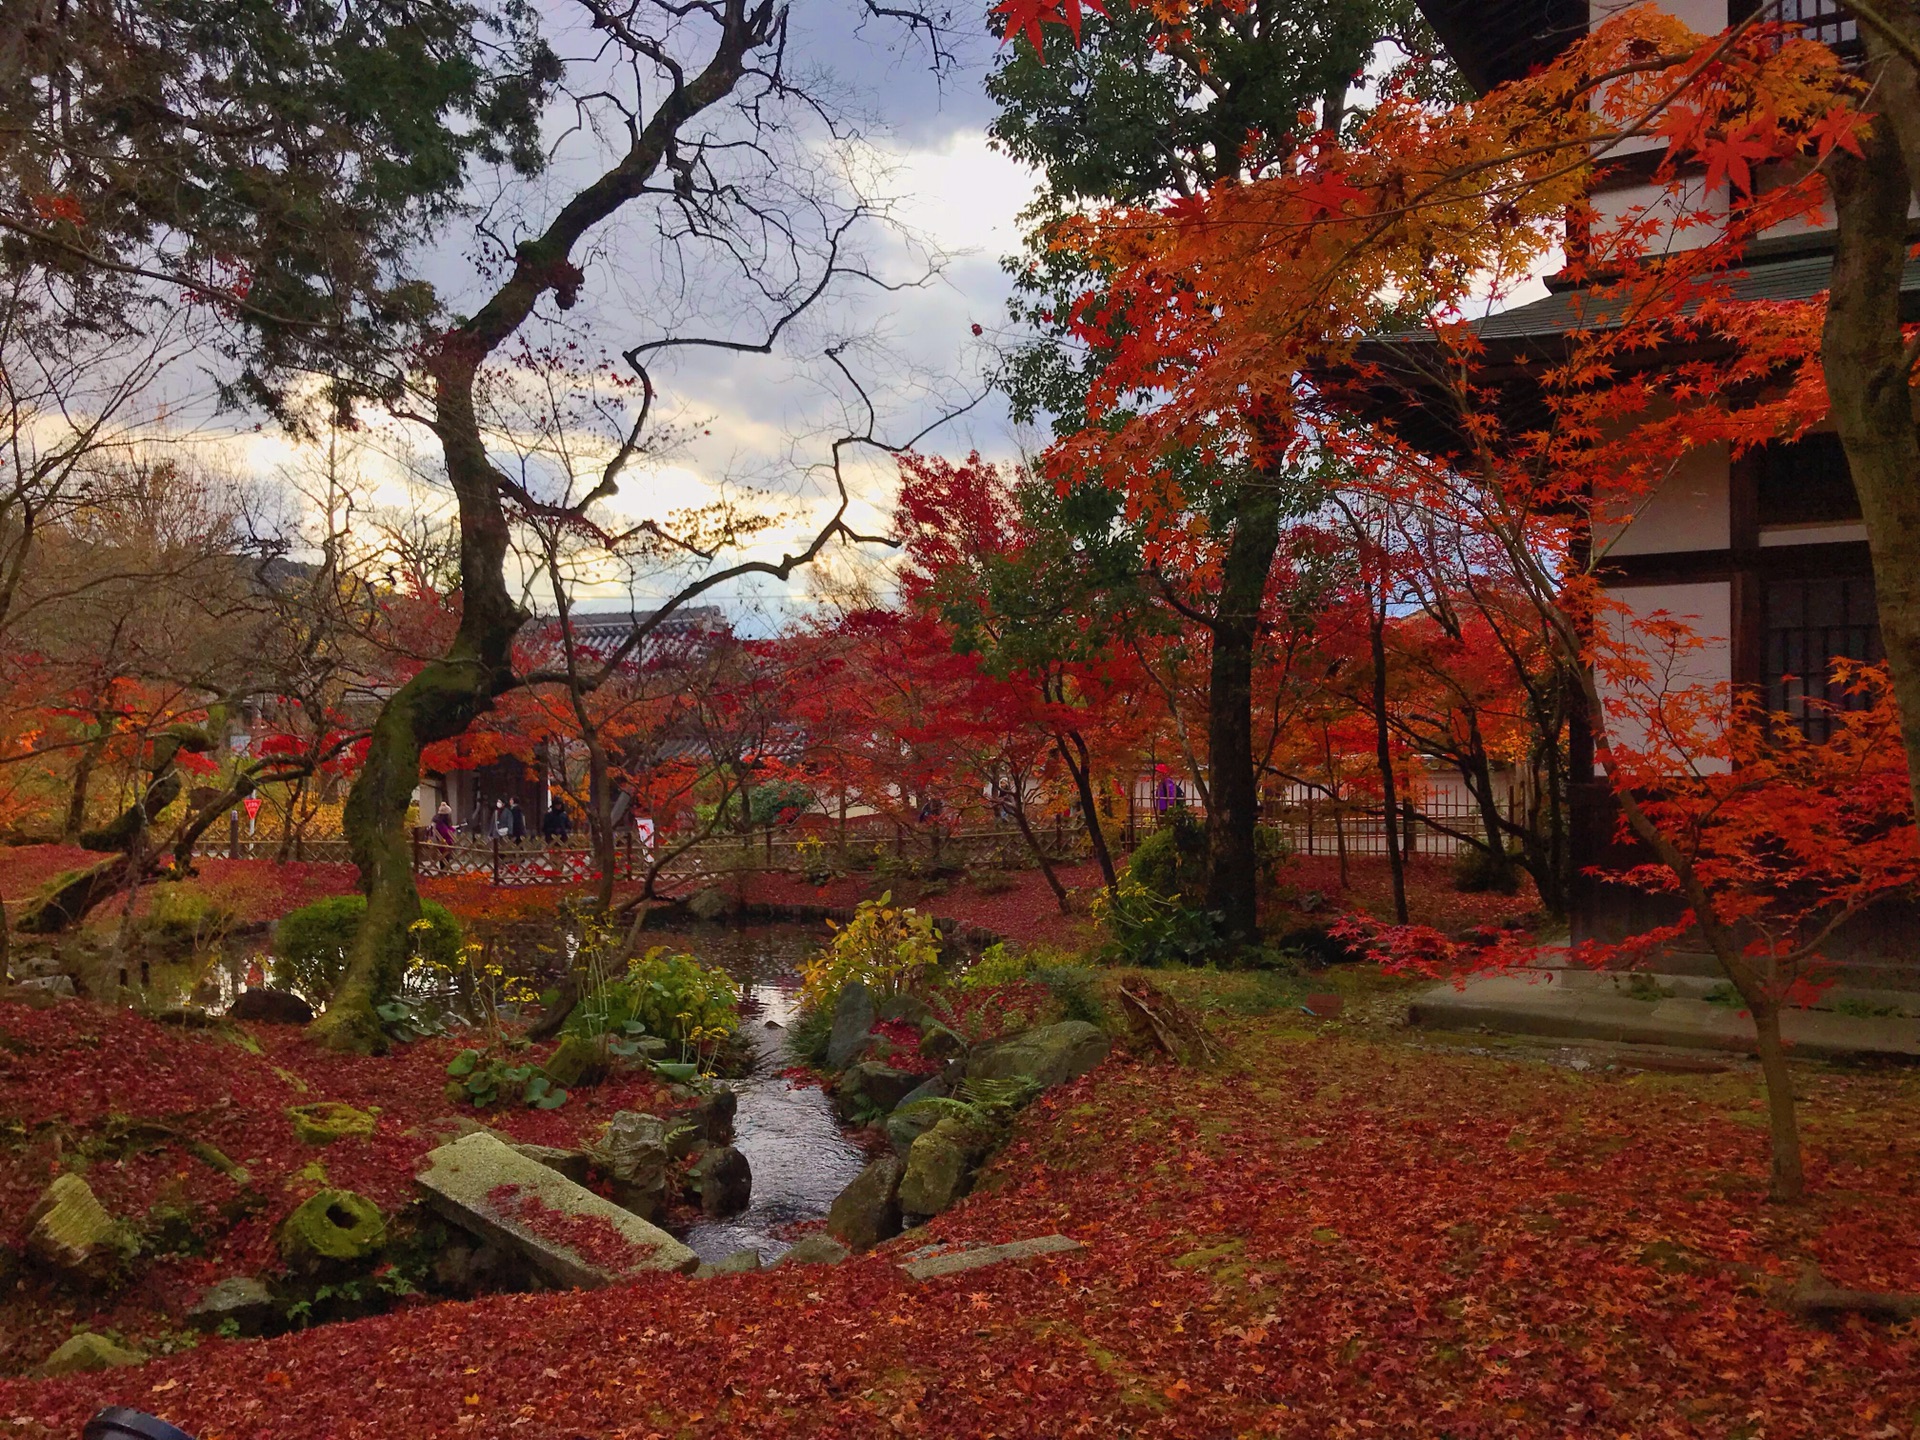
(1690,511)
(1706,608)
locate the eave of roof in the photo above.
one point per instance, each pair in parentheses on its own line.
(1494,41)
(1401,380)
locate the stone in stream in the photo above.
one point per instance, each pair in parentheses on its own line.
(870,1087)
(815,1250)
(940,1165)
(711,1116)
(70,1231)
(723,1180)
(852,1022)
(574,1164)
(240,1299)
(955,1262)
(740,1262)
(87,1351)
(633,1151)
(868,1210)
(567,1233)
(1050,1055)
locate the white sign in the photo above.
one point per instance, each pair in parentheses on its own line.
(643,827)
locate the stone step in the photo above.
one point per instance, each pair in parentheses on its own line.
(1544,1003)
(570,1235)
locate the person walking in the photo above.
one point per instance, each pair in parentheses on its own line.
(516,823)
(502,821)
(443,835)
(556,826)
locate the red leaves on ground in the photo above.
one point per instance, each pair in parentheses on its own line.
(1339,1238)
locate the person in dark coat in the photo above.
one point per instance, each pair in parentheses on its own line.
(516,823)
(556,826)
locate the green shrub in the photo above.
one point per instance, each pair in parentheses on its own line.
(886,947)
(1479,871)
(1077,989)
(1145,927)
(672,996)
(1271,850)
(310,945)
(1172,861)
(187,913)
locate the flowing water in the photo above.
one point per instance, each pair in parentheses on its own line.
(800,1159)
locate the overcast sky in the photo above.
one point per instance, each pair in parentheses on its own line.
(764,424)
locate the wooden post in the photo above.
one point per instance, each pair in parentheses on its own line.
(233,834)
(416,849)
(495,839)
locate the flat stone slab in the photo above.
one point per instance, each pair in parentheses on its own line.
(1543,1003)
(565,1231)
(958,1262)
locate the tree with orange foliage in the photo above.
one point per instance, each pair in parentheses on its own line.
(1240,305)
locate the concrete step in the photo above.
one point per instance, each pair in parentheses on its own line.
(1564,1005)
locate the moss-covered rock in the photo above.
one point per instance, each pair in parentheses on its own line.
(326,1121)
(868,1210)
(87,1351)
(940,1165)
(1050,1055)
(334,1227)
(578,1060)
(69,1231)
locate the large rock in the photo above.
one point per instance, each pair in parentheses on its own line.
(271,1007)
(239,1300)
(69,1231)
(87,1351)
(710,1118)
(815,1250)
(868,1210)
(331,1229)
(853,1018)
(956,1262)
(723,1180)
(740,1262)
(578,1060)
(1050,1055)
(634,1154)
(711,903)
(910,1120)
(940,1165)
(872,1088)
(574,1164)
(570,1235)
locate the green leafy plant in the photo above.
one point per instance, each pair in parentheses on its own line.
(672,996)
(481,1080)
(885,947)
(1148,928)
(310,944)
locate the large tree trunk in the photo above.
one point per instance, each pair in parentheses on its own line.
(1869,374)
(439,702)
(1233,790)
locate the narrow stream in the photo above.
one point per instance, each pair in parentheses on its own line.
(789,1135)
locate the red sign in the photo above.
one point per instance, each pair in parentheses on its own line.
(252,806)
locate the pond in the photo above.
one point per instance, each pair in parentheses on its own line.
(800,1158)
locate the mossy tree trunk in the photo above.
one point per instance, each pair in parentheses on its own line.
(444,697)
